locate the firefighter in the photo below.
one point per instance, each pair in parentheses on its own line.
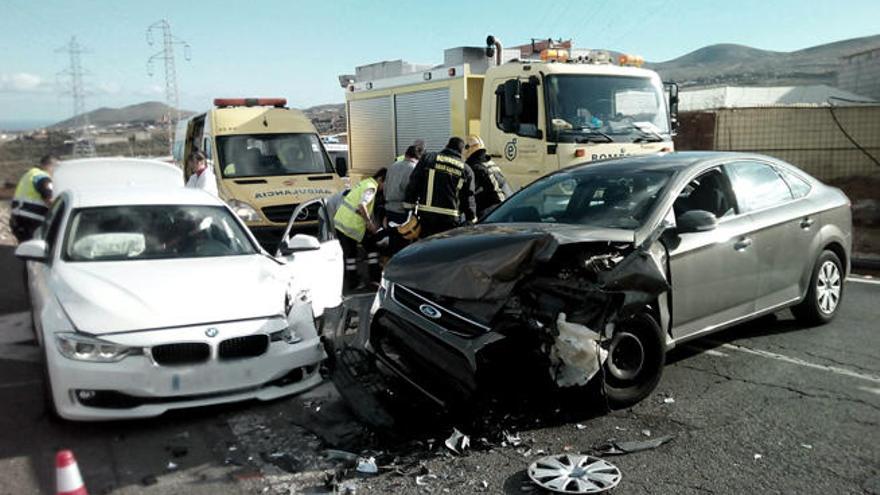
(33,197)
(355,225)
(441,190)
(490,186)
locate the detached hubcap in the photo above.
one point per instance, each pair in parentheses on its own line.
(626,356)
(828,287)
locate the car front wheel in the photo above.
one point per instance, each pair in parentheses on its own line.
(825,292)
(636,356)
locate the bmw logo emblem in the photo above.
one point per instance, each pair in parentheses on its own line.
(430,311)
(212,332)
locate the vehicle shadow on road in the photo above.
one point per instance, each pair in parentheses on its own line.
(772,324)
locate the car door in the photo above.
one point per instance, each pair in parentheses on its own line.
(39,273)
(318,270)
(714,273)
(782,230)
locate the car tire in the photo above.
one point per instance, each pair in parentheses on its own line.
(636,356)
(824,294)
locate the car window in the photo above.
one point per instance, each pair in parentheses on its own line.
(710,192)
(116,233)
(595,197)
(758,185)
(799,187)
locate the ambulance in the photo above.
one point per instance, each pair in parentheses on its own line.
(538,107)
(267,158)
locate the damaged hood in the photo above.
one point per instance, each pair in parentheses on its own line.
(485,261)
(120,296)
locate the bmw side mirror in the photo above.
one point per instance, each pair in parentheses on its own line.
(696,221)
(300,242)
(341,166)
(33,250)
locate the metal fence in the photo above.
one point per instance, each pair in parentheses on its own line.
(827,142)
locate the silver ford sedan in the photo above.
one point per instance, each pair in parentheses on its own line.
(595,271)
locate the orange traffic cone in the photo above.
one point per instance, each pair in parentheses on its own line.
(68,481)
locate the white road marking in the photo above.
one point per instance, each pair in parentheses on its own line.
(801,362)
(713,352)
(861,280)
(875,391)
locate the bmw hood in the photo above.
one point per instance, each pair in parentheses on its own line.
(121,296)
(485,261)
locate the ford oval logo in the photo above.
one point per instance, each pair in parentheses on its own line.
(430,311)
(212,332)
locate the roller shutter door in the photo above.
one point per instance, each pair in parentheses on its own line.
(423,115)
(370,143)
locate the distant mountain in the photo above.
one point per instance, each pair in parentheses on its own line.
(328,119)
(743,65)
(149,112)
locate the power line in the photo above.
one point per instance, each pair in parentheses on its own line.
(83,144)
(166,55)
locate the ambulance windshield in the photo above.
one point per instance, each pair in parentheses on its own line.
(262,155)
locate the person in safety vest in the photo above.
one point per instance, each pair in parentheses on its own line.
(33,197)
(441,190)
(355,224)
(490,186)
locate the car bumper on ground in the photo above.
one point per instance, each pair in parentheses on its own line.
(148,385)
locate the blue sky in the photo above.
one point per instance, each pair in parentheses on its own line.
(296,49)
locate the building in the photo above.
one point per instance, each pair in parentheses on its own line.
(774,96)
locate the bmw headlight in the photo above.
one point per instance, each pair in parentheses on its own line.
(244,211)
(84,348)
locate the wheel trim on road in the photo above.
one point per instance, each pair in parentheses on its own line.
(574,473)
(828,287)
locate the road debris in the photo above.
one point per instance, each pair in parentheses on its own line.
(669,400)
(647,433)
(510,439)
(458,442)
(629,447)
(574,473)
(580,426)
(367,465)
(171,466)
(758,457)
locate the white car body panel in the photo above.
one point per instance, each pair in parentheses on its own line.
(123,296)
(125,172)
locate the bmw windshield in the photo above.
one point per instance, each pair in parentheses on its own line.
(597,197)
(591,108)
(116,233)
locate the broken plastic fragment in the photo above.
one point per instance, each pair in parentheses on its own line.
(512,440)
(647,433)
(621,448)
(669,400)
(340,455)
(580,426)
(758,456)
(578,353)
(574,473)
(422,479)
(171,466)
(458,441)
(367,465)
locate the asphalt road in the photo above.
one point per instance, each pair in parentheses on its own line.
(763,407)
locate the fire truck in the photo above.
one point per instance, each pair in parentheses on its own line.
(538,107)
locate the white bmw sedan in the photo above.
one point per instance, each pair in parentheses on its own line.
(147,299)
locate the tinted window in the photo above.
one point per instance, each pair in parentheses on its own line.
(528,119)
(117,233)
(708,192)
(799,187)
(601,198)
(757,186)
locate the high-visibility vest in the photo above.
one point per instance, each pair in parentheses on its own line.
(28,202)
(347,219)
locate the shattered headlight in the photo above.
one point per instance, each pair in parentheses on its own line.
(84,348)
(243,210)
(288,335)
